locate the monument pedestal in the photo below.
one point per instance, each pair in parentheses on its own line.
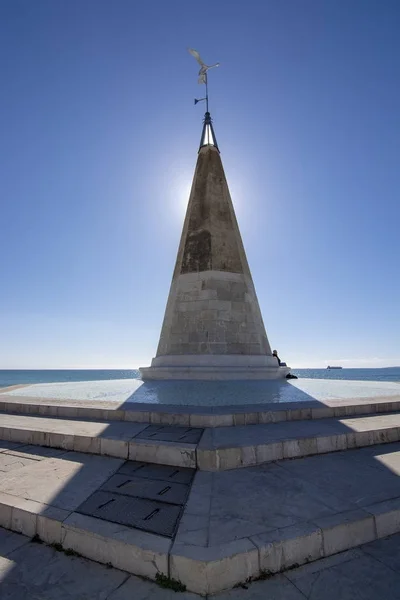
(214,367)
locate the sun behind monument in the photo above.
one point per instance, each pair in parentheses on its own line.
(213,328)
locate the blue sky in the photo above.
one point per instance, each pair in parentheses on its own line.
(98,146)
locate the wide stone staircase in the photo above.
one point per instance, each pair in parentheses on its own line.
(208,496)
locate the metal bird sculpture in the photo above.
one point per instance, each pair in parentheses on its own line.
(203,67)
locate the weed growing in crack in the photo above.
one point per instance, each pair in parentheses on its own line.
(170,583)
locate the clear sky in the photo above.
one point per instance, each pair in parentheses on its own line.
(98,146)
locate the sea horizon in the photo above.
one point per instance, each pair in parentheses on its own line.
(9,377)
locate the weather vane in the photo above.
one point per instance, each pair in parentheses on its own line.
(202,75)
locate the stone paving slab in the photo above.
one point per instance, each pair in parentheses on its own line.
(199,416)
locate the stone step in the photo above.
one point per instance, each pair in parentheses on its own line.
(212,449)
(197,416)
(231,448)
(236,525)
(160,444)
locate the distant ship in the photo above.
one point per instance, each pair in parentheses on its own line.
(329,367)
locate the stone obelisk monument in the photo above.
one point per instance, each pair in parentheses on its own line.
(213,328)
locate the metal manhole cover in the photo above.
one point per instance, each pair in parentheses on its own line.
(155,517)
(162,472)
(169,433)
(152,489)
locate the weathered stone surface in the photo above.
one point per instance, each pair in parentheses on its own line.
(210,234)
(215,324)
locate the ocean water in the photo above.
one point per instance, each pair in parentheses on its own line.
(18,377)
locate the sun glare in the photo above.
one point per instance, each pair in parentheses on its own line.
(180,194)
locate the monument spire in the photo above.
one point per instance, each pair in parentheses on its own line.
(213,328)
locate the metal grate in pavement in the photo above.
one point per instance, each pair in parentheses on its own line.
(162,472)
(151,489)
(171,433)
(156,517)
(142,495)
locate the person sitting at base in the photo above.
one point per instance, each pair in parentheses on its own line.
(275,353)
(281,364)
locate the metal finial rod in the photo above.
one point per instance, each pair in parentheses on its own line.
(206,81)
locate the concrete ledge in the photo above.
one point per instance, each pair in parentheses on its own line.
(30,517)
(221,449)
(346,530)
(214,361)
(197,416)
(211,570)
(124,548)
(284,548)
(163,453)
(219,373)
(90,444)
(387,517)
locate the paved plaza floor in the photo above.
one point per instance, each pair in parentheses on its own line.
(209,393)
(31,571)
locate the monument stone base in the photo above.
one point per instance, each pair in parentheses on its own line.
(214,367)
